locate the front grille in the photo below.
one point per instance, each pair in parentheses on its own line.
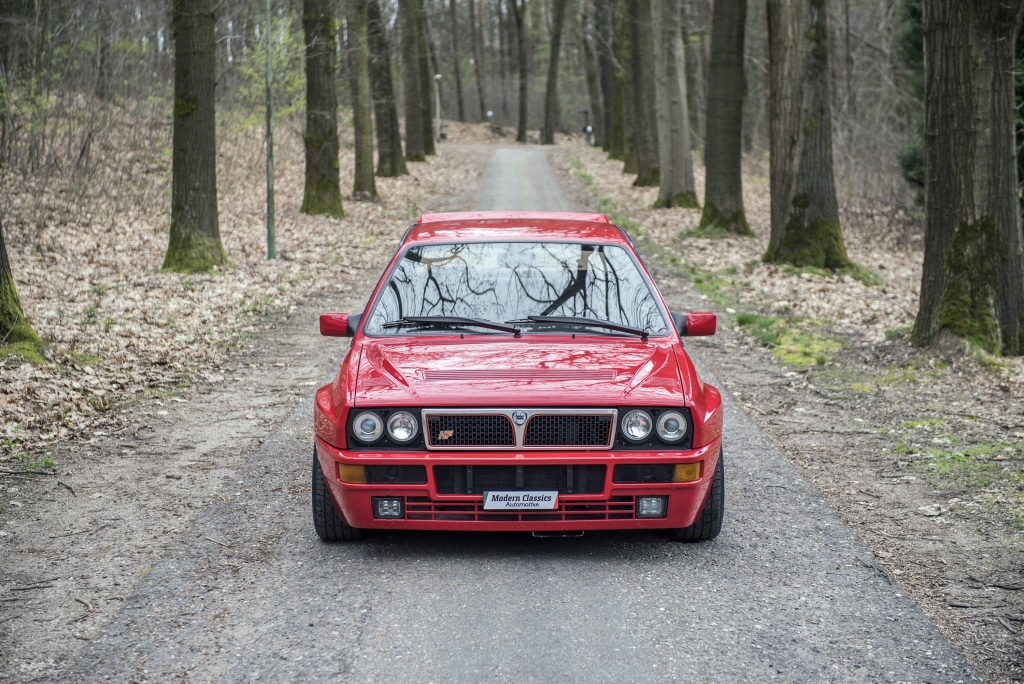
(470,431)
(568,430)
(422,508)
(565,479)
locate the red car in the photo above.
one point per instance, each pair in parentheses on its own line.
(517,371)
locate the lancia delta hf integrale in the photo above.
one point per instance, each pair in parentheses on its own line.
(517,371)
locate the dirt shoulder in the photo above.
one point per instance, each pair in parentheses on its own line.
(921,453)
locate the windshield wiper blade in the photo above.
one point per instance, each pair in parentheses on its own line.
(580,320)
(451,322)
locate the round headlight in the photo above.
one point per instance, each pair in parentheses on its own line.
(636,425)
(402,426)
(671,426)
(367,427)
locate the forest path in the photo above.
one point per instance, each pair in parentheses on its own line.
(786,592)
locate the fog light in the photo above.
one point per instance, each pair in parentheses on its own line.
(388,508)
(651,506)
(686,472)
(352,474)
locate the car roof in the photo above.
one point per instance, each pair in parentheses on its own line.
(485,226)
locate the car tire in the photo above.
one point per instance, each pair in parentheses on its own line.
(328,524)
(707,526)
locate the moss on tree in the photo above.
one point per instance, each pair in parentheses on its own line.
(714,220)
(193,254)
(17,338)
(971,266)
(809,241)
(685,200)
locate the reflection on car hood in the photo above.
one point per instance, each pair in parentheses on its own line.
(518,372)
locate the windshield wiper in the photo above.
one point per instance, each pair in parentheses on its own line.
(579,320)
(450,322)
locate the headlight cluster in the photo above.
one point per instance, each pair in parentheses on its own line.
(671,426)
(368,427)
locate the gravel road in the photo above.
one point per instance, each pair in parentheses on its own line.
(786,592)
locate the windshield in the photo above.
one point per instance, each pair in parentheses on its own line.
(509,281)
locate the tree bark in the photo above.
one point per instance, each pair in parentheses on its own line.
(427,83)
(195,234)
(623,128)
(605,67)
(805,228)
(390,161)
(364,186)
(551,97)
(412,83)
(14,327)
(456,60)
(644,98)
(478,60)
(322,193)
(723,194)
(588,44)
(677,187)
(519,15)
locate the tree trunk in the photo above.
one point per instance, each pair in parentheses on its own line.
(593,76)
(605,67)
(623,128)
(478,60)
(644,98)
(390,161)
(519,14)
(677,187)
(805,213)
(412,83)
(195,234)
(551,97)
(364,187)
(427,82)
(503,49)
(16,335)
(454,30)
(972,285)
(723,195)
(322,194)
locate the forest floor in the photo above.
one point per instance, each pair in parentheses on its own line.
(921,452)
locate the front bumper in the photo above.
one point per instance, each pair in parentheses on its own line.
(425,509)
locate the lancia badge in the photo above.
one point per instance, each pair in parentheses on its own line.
(519,417)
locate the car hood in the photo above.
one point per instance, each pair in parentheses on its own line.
(518,372)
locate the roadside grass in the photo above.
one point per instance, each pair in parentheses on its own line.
(797,342)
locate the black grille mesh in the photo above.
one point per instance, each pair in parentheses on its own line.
(470,431)
(568,431)
(565,479)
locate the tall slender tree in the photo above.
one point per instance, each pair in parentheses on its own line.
(390,160)
(592,72)
(412,82)
(805,213)
(605,66)
(457,58)
(195,233)
(518,9)
(478,58)
(645,117)
(551,96)
(322,194)
(723,158)
(16,334)
(364,187)
(427,81)
(675,160)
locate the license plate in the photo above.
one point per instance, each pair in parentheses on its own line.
(517,501)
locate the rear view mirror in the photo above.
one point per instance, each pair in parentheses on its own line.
(339,324)
(695,323)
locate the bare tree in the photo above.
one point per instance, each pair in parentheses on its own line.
(646,120)
(723,158)
(606,70)
(478,59)
(805,212)
(551,97)
(413,94)
(16,334)
(457,58)
(677,187)
(972,285)
(322,194)
(390,161)
(588,45)
(427,81)
(518,9)
(364,187)
(195,233)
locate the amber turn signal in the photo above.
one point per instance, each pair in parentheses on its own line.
(352,474)
(686,472)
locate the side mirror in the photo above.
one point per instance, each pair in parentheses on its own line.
(339,324)
(695,323)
